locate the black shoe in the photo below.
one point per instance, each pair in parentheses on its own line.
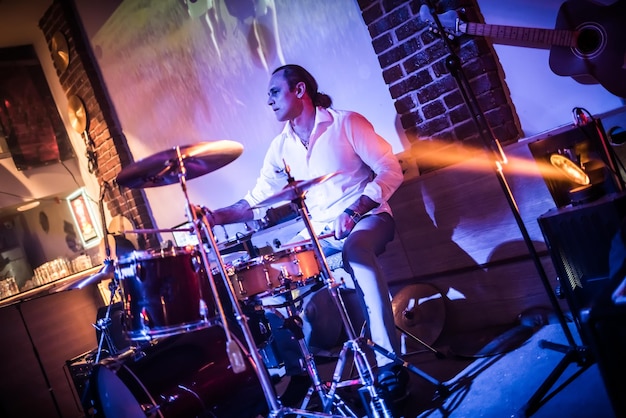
(392,381)
(296,390)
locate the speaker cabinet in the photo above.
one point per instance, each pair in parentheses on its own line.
(579,240)
(605,323)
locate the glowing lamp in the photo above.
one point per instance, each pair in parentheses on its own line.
(572,171)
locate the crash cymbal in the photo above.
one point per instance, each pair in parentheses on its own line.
(60,52)
(77,114)
(106,272)
(294,190)
(162,168)
(419,309)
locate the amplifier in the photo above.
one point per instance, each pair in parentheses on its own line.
(586,254)
(78,370)
(579,240)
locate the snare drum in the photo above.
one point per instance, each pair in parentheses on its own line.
(297,264)
(164,293)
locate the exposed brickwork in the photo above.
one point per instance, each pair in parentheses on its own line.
(414,62)
(82,79)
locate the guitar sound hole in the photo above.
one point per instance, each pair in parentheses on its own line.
(589,41)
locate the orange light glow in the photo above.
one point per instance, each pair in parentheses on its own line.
(443,154)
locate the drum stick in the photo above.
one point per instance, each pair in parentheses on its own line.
(149,231)
(306,241)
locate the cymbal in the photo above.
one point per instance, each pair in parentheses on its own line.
(162,168)
(419,309)
(294,190)
(106,272)
(60,52)
(77,114)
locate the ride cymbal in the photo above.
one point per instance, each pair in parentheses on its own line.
(162,168)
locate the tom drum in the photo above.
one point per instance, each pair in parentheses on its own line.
(273,273)
(164,293)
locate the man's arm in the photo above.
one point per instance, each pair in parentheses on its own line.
(237,212)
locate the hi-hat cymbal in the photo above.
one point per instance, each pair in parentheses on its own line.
(294,190)
(106,272)
(419,309)
(162,168)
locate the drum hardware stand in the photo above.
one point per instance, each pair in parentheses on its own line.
(233,350)
(378,407)
(572,351)
(234,353)
(293,323)
(103,324)
(442,389)
(415,338)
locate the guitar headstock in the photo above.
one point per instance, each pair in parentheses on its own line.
(450,21)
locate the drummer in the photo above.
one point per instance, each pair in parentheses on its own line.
(318,140)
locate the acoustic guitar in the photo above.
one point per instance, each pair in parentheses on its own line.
(587,44)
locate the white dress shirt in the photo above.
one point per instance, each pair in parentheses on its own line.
(343,142)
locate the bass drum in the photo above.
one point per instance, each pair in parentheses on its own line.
(187,375)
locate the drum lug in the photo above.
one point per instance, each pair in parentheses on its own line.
(268,280)
(145,319)
(242,291)
(204,310)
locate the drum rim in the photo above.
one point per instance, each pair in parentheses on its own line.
(295,250)
(151,254)
(170,331)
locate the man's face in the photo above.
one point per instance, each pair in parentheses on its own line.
(285,104)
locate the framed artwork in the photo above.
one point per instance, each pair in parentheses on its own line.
(84,218)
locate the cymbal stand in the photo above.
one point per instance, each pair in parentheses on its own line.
(234,353)
(377,405)
(103,324)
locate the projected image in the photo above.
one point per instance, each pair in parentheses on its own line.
(181,71)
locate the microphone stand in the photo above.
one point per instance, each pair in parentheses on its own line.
(573,352)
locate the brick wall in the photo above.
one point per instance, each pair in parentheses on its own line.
(103,134)
(427,97)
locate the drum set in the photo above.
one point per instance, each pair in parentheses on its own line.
(196,340)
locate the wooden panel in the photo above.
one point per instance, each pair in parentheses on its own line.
(491,297)
(22,386)
(60,325)
(458,218)
(456,230)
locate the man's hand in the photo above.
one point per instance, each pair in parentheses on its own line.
(343,225)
